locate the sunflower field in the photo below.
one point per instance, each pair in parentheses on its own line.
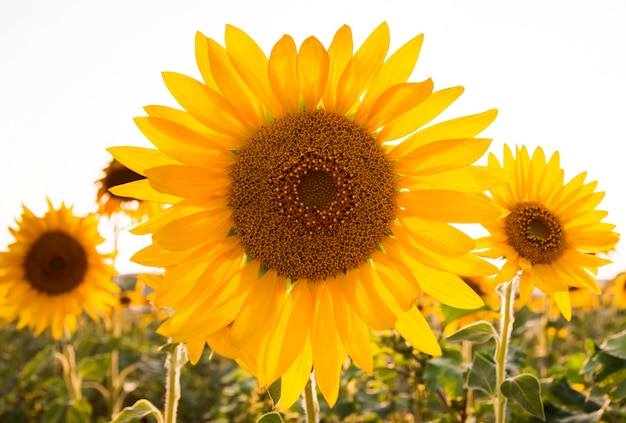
(308,260)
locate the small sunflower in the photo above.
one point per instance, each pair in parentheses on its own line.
(551,231)
(109,204)
(308,204)
(616,291)
(53,272)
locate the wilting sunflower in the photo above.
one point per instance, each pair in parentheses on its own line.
(552,230)
(53,272)
(109,204)
(308,205)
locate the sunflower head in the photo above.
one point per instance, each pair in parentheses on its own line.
(616,291)
(53,272)
(109,203)
(552,233)
(306,188)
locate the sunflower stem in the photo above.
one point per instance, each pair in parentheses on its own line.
(173,364)
(310,404)
(507,293)
(72,379)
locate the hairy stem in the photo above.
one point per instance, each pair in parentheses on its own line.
(507,293)
(310,404)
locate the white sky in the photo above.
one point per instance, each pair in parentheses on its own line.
(73,74)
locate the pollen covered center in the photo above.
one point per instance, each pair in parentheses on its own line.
(313,194)
(535,233)
(316,190)
(56,263)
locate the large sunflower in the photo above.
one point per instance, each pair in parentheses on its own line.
(308,206)
(110,204)
(53,272)
(551,231)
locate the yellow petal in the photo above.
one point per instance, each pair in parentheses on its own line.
(562,300)
(328,351)
(202,59)
(362,295)
(188,181)
(439,237)
(233,88)
(396,70)
(250,62)
(194,229)
(194,350)
(206,105)
(394,102)
(459,128)
(138,159)
(448,206)
(142,190)
(353,332)
(312,70)
(339,53)
(290,332)
(361,69)
(414,328)
(295,378)
(420,115)
(282,74)
(471,179)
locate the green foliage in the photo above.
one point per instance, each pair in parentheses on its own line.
(526,391)
(578,381)
(479,333)
(139,410)
(482,375)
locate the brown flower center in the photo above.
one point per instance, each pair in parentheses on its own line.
(535,233)
(56,263)
(313,194)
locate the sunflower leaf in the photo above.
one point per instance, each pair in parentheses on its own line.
(615,345)
(450,314)
(94,368)
(138,410)
(482,375)
(271,417)
(525,389)
(478,332)
(274,392)
(73,411)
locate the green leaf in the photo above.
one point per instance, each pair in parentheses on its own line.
(73,411)
(451,313)
(274,392)
(482,375)
(526,391)
(479,332)
(138,410)
(446,373)
(601,365)
(584,417)
(42,360)
(615,345)
(94,368)
(271,417)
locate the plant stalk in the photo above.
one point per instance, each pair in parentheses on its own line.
(507,293)
(310,403)
(173,364)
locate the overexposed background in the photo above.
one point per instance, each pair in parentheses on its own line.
(73,74)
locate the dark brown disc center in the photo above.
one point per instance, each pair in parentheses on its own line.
(56,263)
